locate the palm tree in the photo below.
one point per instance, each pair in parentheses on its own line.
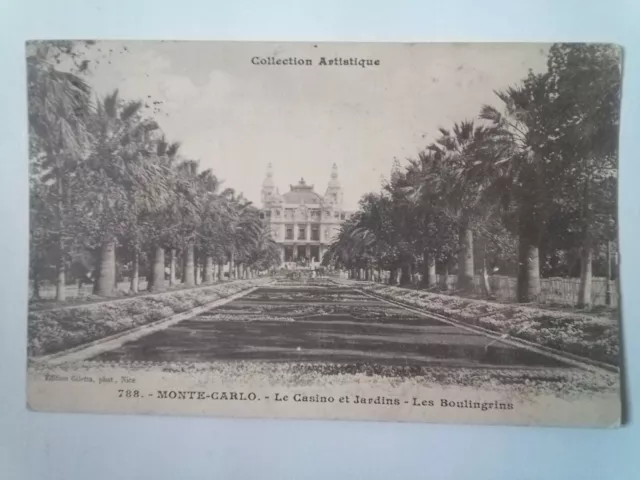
(516,156)
(265,253)
(121,170)
(459,189)
(187,207)
(213,213)
(403,216)
(437,235)
(165,218)
(147,202)
(59,104)
(369,239)
(242,229)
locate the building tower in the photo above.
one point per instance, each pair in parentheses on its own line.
(333,194)
(268,187)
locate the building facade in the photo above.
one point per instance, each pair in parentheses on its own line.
(302,222)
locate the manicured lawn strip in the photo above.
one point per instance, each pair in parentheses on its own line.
(596,338)
(56,330)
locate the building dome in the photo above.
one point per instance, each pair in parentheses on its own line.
(302,194)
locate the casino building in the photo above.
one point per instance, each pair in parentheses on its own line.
(303,222)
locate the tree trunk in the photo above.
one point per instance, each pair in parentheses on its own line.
(465,258)
(528,259)
(208,269)
(445,274)
(172,267)
(586,265)
(586,252)
(608,301)
(405,277)
(486,287)
(393,276)
(198,270)
(617,281)
(232,267)
(135,274)
(60,280)
(105,282)
(188,272)
(35,293)
(157,271)
(429,273)
(414,274)
(220,271)
(530,219)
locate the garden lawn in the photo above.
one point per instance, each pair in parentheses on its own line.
(592,337)
(51,331)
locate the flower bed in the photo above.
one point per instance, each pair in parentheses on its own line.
(55,330)
(596,338)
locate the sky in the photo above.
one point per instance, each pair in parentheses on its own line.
(236,117)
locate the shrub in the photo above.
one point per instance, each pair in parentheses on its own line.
(53,330)
(592,337)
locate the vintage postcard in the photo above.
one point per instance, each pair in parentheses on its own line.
(398,232)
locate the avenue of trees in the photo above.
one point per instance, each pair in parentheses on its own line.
(528,188)
(112,197)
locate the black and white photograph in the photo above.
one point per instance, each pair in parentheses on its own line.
(361,231)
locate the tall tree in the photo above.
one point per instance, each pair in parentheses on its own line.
(425,176)
(188,208)
(242,228)
(163,220)
(520,166)
(213,213)
(461,188)
(586,81)
(59,104)
(121,171)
